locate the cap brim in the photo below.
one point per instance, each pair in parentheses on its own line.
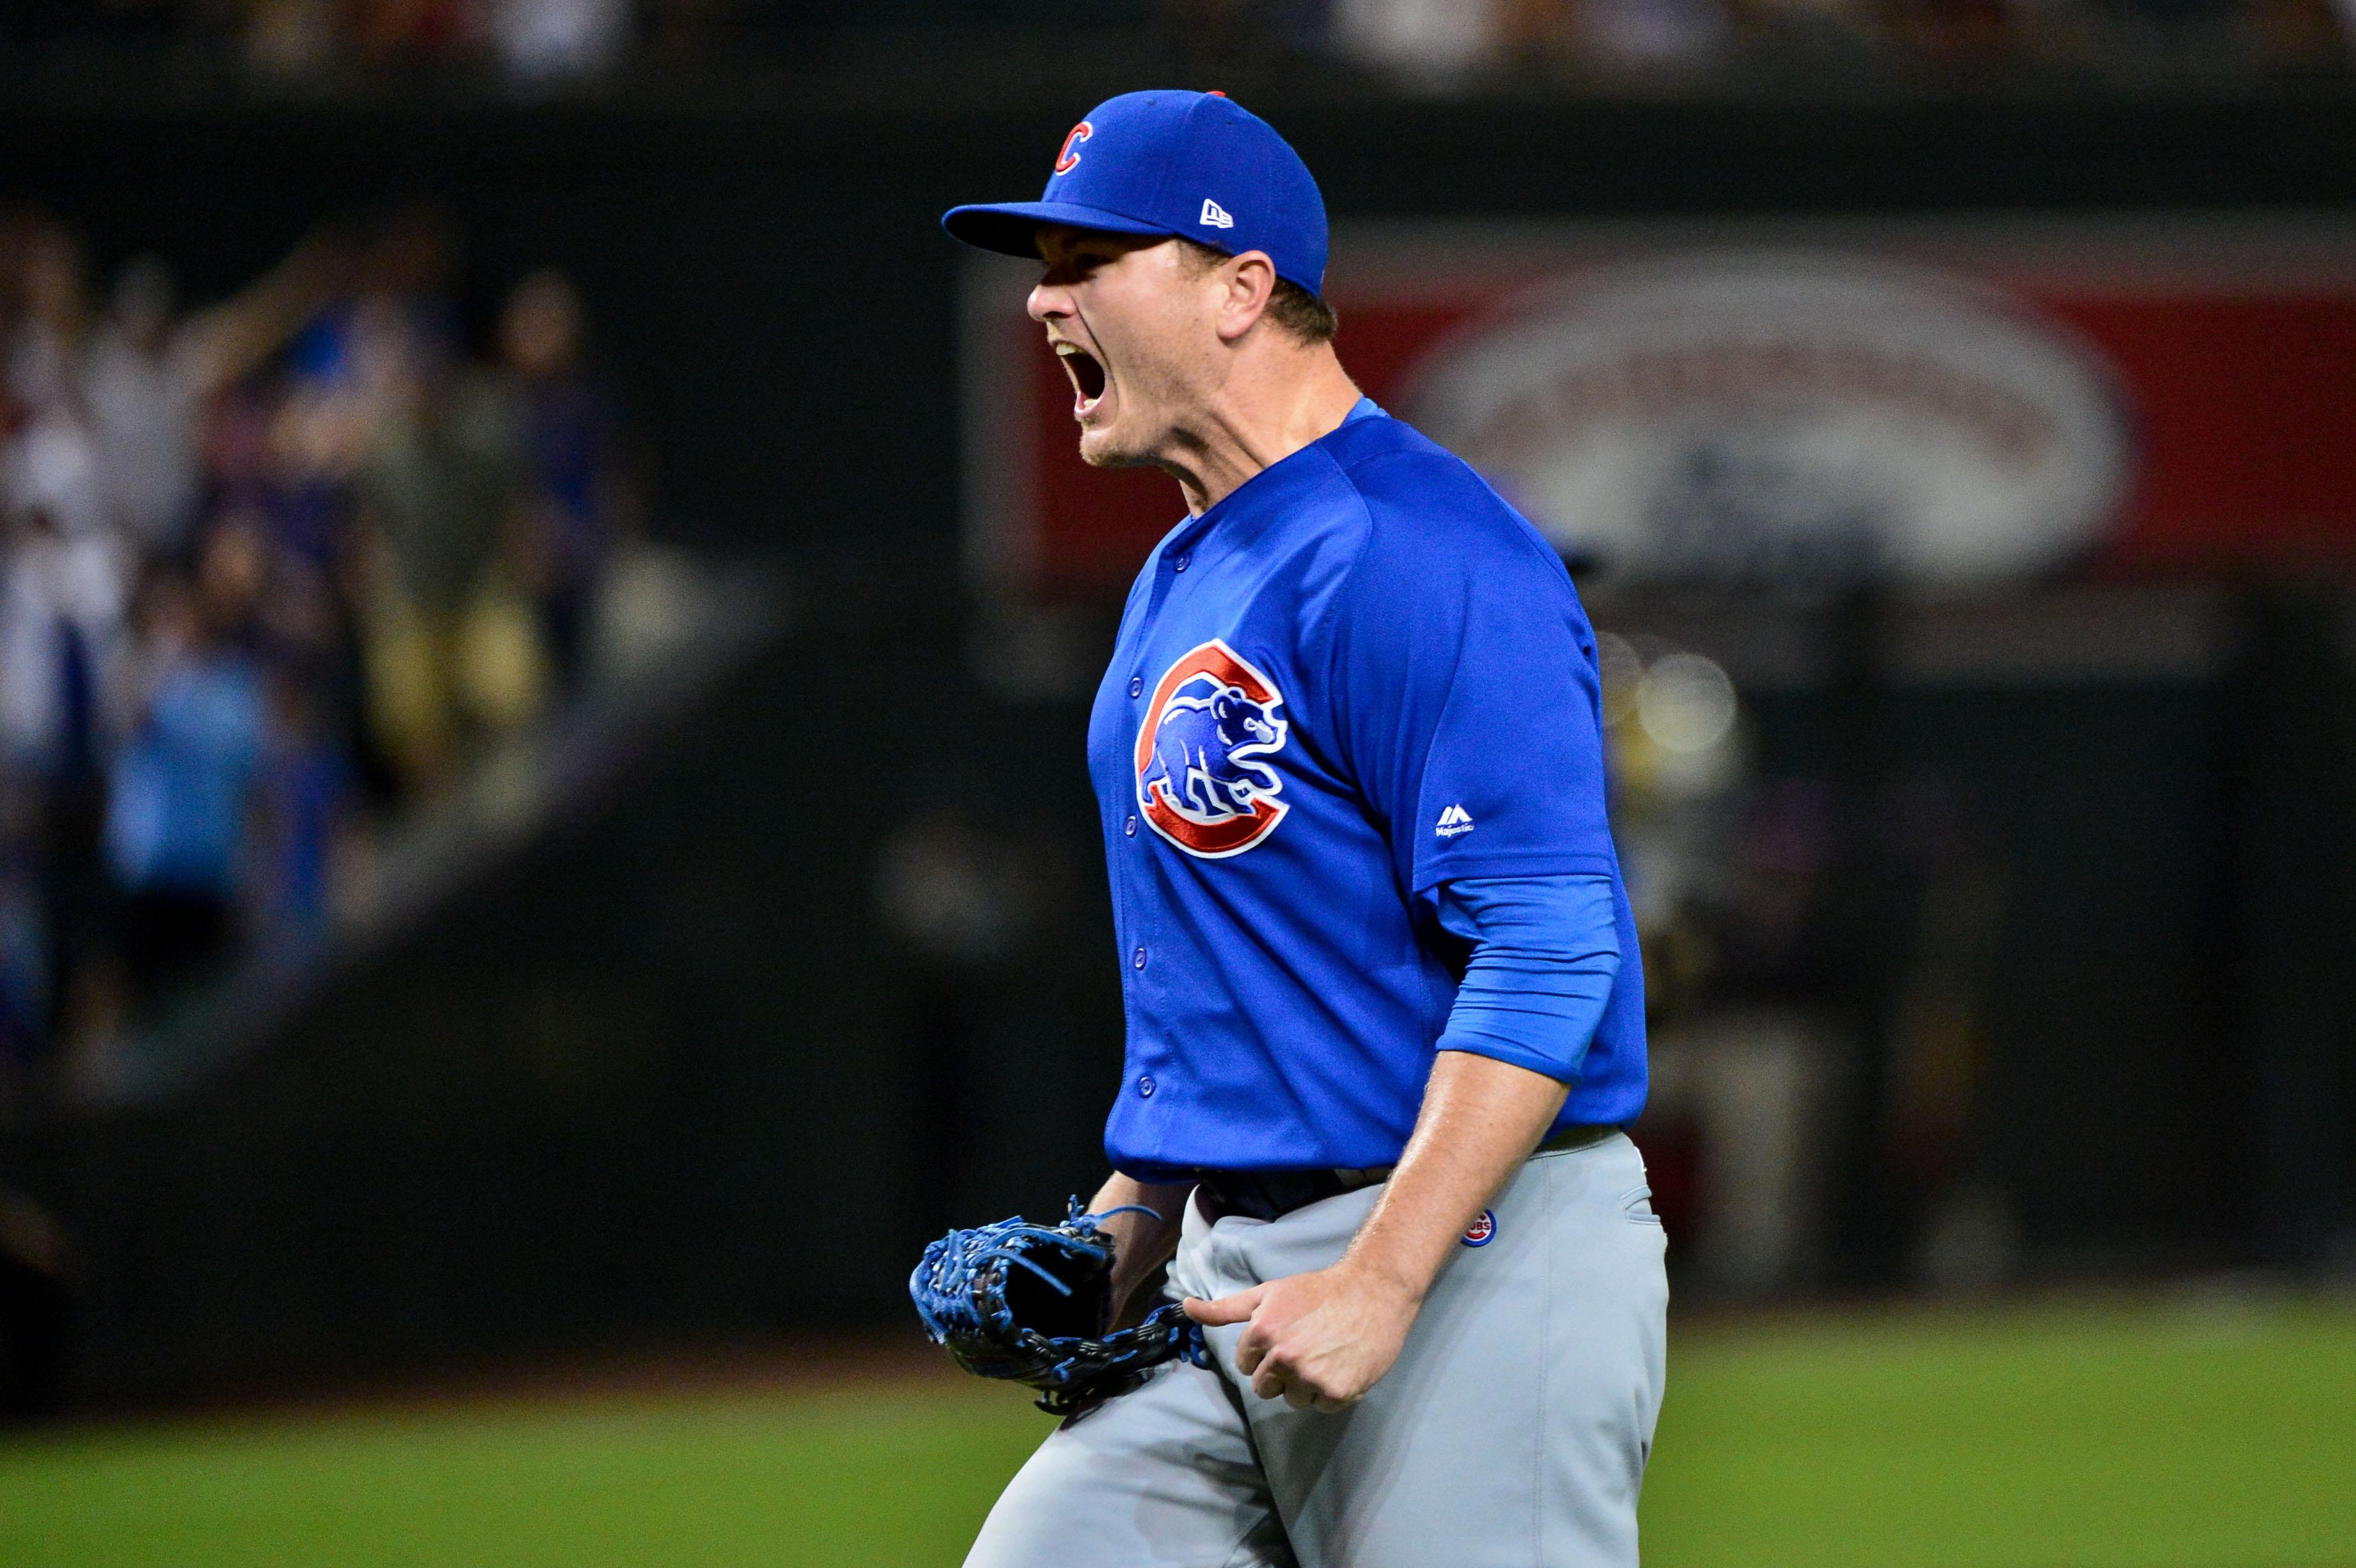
(1012,227)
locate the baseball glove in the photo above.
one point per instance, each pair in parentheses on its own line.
(1031,1303)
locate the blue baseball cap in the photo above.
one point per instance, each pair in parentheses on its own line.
(1189,163)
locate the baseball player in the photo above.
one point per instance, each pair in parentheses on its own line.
(1385,1018)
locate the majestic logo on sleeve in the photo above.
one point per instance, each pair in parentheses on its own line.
(1203,780)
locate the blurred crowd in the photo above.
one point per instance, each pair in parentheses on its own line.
(527,40)
(271,568)
(1439,43)
(1425,45)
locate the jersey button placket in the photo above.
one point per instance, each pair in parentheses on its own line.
(1133,989)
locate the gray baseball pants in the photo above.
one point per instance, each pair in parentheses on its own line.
(1512,1434)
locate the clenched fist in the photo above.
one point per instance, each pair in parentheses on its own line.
(1317,1341)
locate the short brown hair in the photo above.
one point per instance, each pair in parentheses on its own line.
(1289,305)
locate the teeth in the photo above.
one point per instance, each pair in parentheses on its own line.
(1074,357)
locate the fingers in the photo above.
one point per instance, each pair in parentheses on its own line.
(1236,1308)
(1275,1380)
(1251,1351)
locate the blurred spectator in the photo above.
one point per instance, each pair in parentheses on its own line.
(567,428)
(540,40)
(182,788)
(1649,32)
(61,601)
(292,37)
(533,41)
(148,378)
(308,800)
(1429,43)
(24,940)
(62,590)
(50,310)
(351,368)
(451,645)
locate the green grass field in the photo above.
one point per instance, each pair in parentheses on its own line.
(2214,1435)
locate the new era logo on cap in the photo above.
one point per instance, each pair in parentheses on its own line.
(1215,216)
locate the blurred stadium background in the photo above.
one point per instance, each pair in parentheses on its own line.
(545,617)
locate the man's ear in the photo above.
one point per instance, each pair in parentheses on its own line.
(1251,281)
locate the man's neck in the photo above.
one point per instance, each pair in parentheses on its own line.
(1257,421)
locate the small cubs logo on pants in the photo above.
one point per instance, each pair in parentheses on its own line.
(1483,1231)
(1203,778)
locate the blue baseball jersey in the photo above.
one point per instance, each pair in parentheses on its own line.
(1360,675)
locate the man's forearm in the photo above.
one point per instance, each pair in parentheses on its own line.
(1481,1118)
(1143,1243)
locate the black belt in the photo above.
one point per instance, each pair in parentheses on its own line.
(1272,1194)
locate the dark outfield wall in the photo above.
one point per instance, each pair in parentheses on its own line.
(661,1081)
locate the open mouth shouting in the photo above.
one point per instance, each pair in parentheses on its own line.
(1087,374)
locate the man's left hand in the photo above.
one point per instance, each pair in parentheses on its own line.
(1318,1340)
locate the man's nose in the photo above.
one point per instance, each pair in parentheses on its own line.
(1049,299)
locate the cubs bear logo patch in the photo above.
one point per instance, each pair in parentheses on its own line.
(1203,780)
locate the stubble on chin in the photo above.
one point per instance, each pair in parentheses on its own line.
(1108,452)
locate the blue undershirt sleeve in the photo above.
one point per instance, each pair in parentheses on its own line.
(1544,953)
